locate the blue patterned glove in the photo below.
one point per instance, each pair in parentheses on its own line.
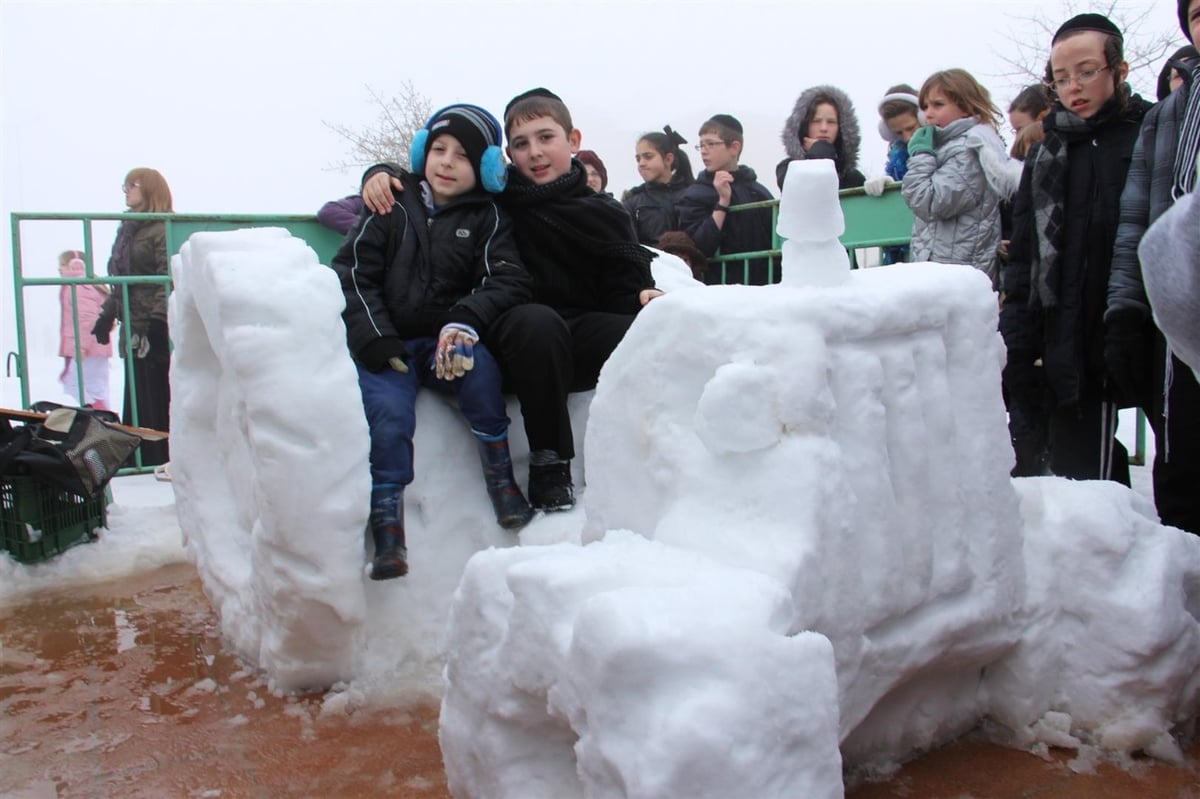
(921,141)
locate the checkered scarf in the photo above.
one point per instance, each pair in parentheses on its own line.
(1189,140)
(1049,180)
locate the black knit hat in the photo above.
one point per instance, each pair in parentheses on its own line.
(476,130)
(538,92)
(1087,22)
(1183,20)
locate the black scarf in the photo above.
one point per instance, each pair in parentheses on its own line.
(1063,128)
(575,242)
(118,262)
(1189,140)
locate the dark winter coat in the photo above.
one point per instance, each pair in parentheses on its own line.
(141,249)
(1146,196)
(742,231)
(1070,335)
(457,264)
(843,151)
(579,247)
(652,206)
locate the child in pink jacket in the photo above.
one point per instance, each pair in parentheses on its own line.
(88,300)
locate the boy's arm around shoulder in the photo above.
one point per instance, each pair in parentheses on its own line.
(361,267)
(501,280)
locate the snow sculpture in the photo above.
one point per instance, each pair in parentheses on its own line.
(810,221)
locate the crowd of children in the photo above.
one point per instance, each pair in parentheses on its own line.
(546,270)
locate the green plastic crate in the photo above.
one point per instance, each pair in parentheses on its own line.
(38,521)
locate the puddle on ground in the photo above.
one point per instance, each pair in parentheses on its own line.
(126,690)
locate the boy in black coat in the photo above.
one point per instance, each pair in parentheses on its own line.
(704,206)
(590,278)
(422,285)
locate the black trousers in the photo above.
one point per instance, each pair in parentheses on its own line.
(1083,442)
(544,357)
(1175,419)
(152,376)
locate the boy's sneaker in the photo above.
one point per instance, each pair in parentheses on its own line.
(550,487)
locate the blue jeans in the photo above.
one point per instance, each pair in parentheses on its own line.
(390,400)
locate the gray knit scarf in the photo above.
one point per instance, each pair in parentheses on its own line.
(1189,140)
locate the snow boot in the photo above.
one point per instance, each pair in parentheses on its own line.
(550,486)
(512,511)
(387,528)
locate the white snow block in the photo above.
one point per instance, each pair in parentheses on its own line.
(1112,637)
(627,668)
(808,204)
(252,308)
(849,442)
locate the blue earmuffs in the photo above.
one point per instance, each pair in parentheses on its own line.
(493,172)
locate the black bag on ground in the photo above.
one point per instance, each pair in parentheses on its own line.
(72,449)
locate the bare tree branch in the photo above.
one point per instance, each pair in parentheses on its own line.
(390,136)
(1146,49)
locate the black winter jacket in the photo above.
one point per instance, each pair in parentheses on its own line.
(1071,334)
(458,264)
(652,206)
(742,231)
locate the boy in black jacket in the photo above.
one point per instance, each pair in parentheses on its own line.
(704,206)
(422,284)
(590,278)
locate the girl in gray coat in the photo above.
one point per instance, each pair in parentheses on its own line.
(958,172)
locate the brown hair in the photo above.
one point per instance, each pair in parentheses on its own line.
(1030,135)
(894,108)
(538,106)
(155,191)
(1033,100)
(961,88)
(724,132)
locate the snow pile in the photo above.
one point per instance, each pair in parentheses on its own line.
(1111,640)
(628,668)
(270,495)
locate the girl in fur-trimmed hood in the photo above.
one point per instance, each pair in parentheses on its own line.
(823,125)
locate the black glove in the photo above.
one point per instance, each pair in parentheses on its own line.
(1127,357)
(103,327)
(384,352)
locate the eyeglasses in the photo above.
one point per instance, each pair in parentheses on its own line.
(127,187)
(1083,79)
(709,145)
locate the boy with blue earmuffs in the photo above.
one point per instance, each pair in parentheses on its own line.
(422,284)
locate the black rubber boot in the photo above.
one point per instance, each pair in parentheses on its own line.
(512,511)
(550,486)
(387,528)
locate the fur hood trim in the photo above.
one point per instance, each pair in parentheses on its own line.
(849,134)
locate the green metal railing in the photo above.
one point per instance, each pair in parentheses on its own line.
(870,222)
(883,221)
(178,228)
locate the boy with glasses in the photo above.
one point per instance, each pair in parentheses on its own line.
(1162,171)
(704,207)
(1065,217)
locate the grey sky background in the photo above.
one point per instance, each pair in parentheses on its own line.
(227,100)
